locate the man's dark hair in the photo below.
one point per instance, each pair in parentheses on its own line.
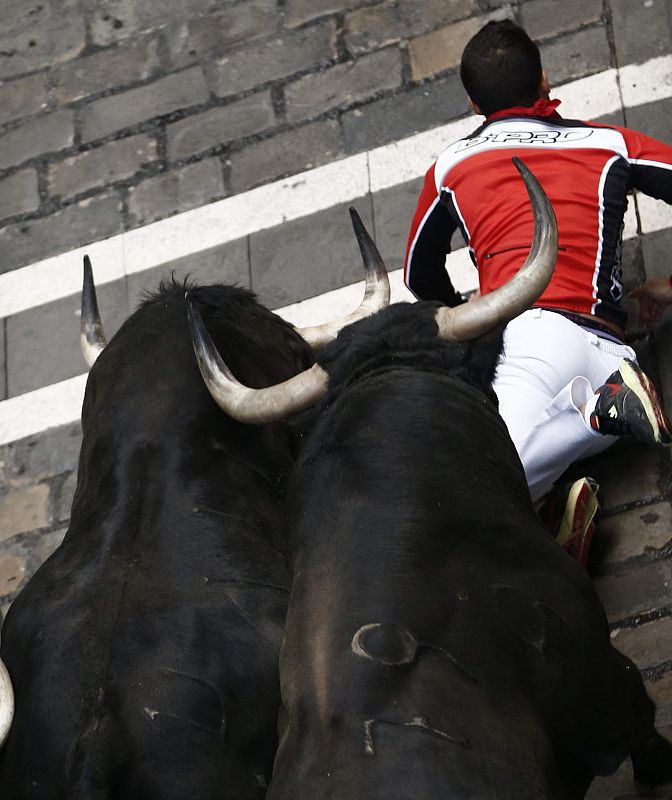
(501,67)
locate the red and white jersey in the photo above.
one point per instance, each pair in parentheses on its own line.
(586,170)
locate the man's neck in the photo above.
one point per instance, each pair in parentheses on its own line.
(541,108)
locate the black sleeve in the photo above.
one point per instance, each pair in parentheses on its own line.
(650,165)
(426,274)
(654,180)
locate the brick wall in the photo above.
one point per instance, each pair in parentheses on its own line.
(38,478)
(114,114)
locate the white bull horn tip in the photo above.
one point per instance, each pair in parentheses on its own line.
(92,337)
(376,289)
(6,703)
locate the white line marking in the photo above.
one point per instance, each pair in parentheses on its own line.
(630,221)
(410,158)
(34,412)
(301,195)
(654,215)
(185,234)
(646,83)
(594,96)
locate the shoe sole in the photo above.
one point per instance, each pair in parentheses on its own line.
(566,529)
(637,381)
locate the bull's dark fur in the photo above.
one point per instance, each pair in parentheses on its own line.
(409,339)
(144,651)
(487,670)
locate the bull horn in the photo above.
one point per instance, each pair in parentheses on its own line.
(252,406)
(503,304)
(376,292)
(6,703)
(92,338)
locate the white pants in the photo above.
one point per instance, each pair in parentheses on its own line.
(550,367)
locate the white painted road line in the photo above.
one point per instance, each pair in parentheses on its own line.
(186,234)
(34,412)
(301,195)
(646,83)
(594,96)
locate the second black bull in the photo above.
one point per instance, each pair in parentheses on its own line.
(438,644)
(144,651)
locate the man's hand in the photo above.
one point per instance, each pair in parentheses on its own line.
(654,297)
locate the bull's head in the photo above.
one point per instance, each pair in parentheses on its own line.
(376,296)
(462,323)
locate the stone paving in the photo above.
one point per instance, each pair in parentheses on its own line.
(104,105)
(115,113)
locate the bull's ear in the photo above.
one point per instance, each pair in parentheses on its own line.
(483,356)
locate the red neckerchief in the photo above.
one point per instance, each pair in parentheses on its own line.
(542,108)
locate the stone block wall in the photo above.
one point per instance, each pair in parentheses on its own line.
(107,108)
(38,478)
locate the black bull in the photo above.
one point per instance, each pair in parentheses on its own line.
(439,644)
(144,651)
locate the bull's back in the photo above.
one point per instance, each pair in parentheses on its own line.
(428,607)
(146,672)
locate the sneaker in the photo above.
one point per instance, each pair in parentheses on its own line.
(628,405)
(577,524)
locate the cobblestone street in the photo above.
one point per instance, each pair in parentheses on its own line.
(225,139)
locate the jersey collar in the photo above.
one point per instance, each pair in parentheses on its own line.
(542,108)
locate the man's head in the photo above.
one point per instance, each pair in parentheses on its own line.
(501,68)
